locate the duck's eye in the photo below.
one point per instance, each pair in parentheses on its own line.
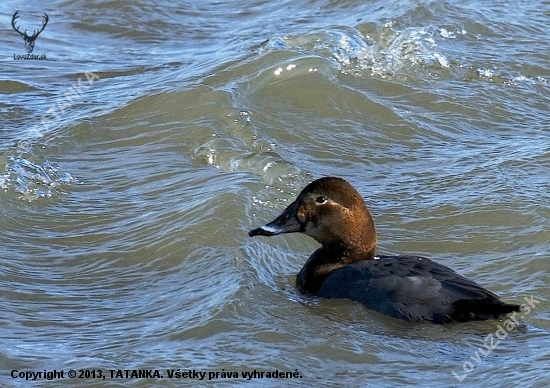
(321,199)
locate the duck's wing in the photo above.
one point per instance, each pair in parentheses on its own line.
(411,288)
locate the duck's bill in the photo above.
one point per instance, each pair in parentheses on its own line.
(285,223)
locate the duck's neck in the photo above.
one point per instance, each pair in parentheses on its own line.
(348,253)
(338,250)
(354,243)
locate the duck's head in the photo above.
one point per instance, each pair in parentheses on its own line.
(332,212)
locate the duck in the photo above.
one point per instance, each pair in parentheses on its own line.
(408,287)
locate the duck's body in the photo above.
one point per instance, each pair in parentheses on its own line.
(407,287)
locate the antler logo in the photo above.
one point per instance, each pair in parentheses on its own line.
(29,40)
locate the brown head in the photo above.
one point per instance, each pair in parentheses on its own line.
(332,212)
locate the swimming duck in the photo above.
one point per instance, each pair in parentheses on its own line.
(413,288)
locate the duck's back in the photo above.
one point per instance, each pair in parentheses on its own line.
(413,288)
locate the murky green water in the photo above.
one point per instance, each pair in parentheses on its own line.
(134,160)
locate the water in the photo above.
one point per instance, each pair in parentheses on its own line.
(134,160)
